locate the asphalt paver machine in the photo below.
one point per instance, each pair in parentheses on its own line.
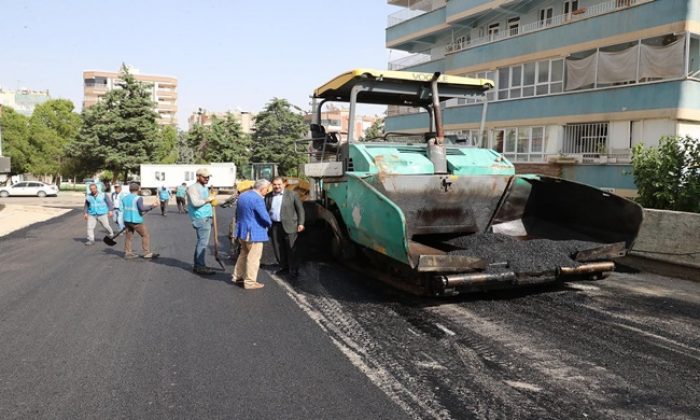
(436,218)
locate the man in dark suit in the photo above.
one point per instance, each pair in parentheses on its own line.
(287,214)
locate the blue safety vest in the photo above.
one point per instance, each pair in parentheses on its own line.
(131,209)
(205,210)
(97,206)
(181,191)
(164,195)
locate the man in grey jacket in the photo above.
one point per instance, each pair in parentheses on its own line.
(287,214)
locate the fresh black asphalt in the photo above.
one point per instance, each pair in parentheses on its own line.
(87,334)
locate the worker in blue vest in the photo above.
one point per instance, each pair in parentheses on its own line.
(164,196)
(180,198)
(97,208)
(199,207)
(134,209)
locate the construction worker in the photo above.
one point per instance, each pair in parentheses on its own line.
(180,195)
(200,210)
(97,208)
(134,210)
(117,211)
(164,196)
(252,222)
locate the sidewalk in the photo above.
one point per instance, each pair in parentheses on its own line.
(14,217)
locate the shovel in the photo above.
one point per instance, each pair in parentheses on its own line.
(216,239)
(110,240)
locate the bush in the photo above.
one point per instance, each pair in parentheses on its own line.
(668,177)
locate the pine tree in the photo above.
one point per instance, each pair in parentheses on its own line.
(277,127)
(121,131)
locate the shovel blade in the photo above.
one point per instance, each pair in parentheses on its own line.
(109,241)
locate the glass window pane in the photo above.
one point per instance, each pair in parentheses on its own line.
(502,94)
(510,157)
(543,71)
(523,140)
(542,89)
(536,158)
(510,140)
(498,141)
(529,74)
(537,143)
(516,75)
(557,70)
(515,93)
(555,87)
(503,78)
(528,91)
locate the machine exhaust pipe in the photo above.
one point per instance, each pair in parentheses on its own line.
(436,146)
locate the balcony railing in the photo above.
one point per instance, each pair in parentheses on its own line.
(414,9)
(464,43)
(410,60)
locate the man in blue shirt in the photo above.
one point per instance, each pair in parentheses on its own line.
(180,195)
(164,196)
(252,222)
(134,210)
(200,210)
(97,208)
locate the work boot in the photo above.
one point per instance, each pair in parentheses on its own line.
(148,256)
(89,243)
(204,271)
(253,286)
(130,256)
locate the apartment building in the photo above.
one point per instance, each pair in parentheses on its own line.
(23,100)
(96,84)
(337,119)
(205,118)
(578,83)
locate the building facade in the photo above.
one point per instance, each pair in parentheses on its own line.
(205,118)
(97,83)
(23,100)
(578,83)
(337,119)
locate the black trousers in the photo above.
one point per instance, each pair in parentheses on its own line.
(284,246)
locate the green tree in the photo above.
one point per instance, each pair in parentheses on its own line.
(668,177)
(167,149)
(276,129)
(221,141)
(52,126)
(15,139)
(375,131)
(120,132)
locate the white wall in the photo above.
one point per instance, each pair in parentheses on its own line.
(648,132)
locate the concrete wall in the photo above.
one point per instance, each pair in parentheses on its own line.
(669,232)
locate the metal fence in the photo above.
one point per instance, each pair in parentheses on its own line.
(414,9)
(586,139)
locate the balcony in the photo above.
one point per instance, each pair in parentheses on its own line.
(410,61)
(412,9)
(610,6)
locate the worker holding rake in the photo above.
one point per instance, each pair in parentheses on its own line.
(134,209)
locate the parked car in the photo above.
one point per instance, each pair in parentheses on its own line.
(33,188)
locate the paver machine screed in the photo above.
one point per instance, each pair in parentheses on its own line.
(438,218)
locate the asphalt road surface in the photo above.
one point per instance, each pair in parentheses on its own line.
(86,334)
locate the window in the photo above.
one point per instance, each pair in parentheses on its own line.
(493,31)
(503,82)
(522,144)
(160,176)
(590,138)
(528,79)
(34,185)
(557,77)
(513,26)
(20,185)
(189,176)
(570,6)
(546,16)
(542,87)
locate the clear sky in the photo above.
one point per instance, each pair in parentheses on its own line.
(225,54)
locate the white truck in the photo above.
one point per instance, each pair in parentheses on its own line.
(155,176)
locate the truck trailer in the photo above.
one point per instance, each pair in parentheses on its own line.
(154,176)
